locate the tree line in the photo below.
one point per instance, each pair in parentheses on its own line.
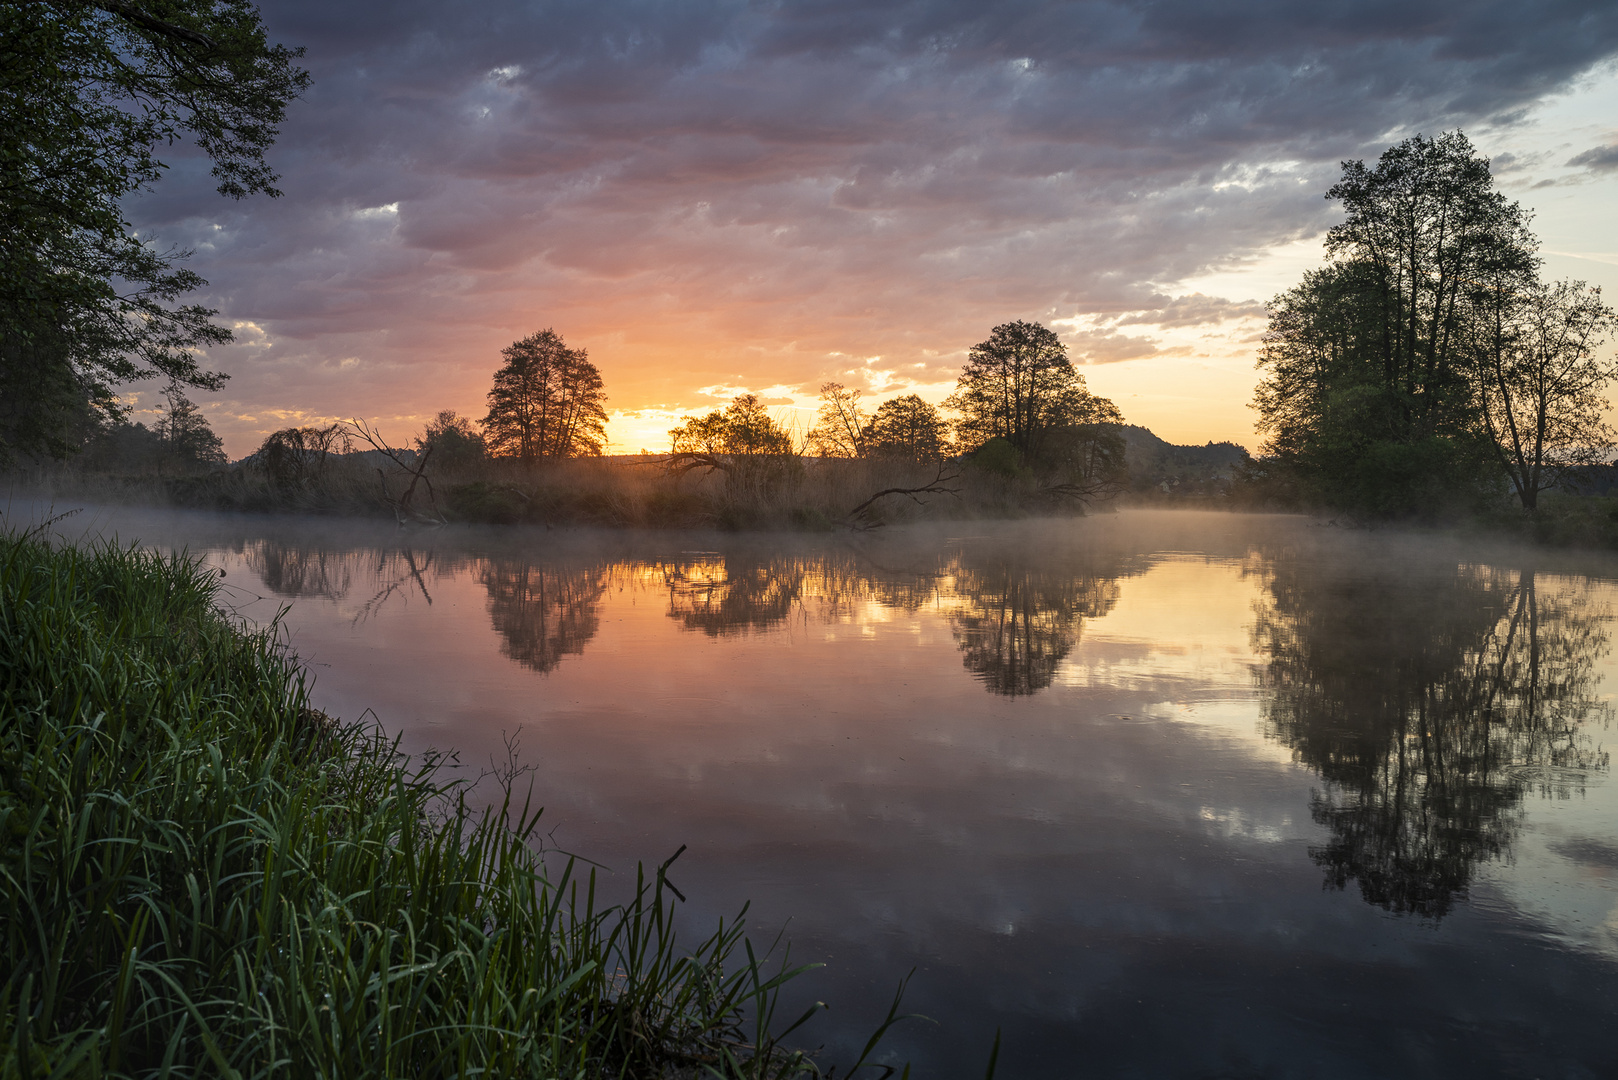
(1428,362)
(1021,407)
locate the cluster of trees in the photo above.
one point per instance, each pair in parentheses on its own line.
(180,441)
(1428,358)
(1021,407)
(1018,392)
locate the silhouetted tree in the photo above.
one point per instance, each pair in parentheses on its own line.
(456,443)
(294,458)
(546,402)
(839,428)
(1539,380)
(744,444)
(742,429)
(1366,395)
(909,428)
(184,431)
(1020,386)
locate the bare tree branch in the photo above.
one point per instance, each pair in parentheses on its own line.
(938,485)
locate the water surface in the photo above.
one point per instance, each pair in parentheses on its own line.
(1156,794)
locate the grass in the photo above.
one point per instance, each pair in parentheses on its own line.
(203,875)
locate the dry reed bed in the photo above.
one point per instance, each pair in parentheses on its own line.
(767,493)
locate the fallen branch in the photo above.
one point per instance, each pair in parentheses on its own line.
(416,468)
(938,485)
(1083,492)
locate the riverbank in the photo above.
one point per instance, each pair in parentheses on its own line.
(206,875)
(760,493)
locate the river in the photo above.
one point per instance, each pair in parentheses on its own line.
(1157,794)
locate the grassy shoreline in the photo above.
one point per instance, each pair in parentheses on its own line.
(210,877)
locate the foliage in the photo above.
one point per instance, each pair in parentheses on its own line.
(1020,386)
(743,429)
(999,458)
(839,428)
(1387,371)
(203,875)
(546,402)
(909,428)
(454,440)
(1019,389)
(185,433)
(1538,381)
(748,448)
(88,91)
(294,458)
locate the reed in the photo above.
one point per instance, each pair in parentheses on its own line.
(791,493)
(203,875)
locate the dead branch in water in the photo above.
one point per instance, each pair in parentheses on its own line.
(403,511)
(938,485)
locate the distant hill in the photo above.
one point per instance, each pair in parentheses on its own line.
(1171,468)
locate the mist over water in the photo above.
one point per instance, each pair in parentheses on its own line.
(1157,794)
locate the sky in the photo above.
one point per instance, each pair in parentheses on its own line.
(718,197)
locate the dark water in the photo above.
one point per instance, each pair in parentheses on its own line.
(1159,795)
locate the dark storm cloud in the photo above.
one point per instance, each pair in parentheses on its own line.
(726,191)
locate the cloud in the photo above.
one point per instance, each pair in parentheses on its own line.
(1599,157)
(715,193)
(1195,310)
(1106,347)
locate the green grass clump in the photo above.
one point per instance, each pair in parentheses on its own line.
(202,875)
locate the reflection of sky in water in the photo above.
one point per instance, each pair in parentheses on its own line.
(1111,855)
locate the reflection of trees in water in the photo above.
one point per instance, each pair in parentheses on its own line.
(731,595)
(1018,618)
(1429,704)
(298,570)
(739,592)
(543,612)
(399,573)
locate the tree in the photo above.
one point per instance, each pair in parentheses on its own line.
(185,431)
(546,402)
(745,445)
(743,429)
(88,91)
(1367,396)
(906,427)
(1539,382)
(454,440)
(295,458)
(839,429)
(1020,386)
